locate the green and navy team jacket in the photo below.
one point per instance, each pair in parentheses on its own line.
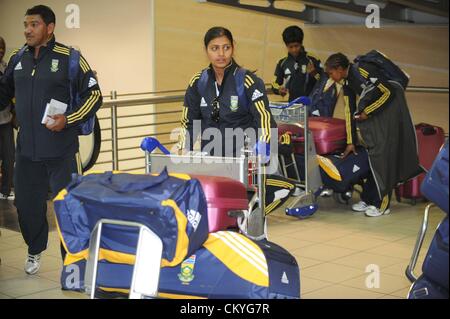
(292,73)
(34,83)
(248,111)
(365,90)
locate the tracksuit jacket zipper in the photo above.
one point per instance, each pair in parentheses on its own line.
(33,73)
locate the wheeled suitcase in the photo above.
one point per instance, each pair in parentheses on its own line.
(223,195)
(329,134)
(430,139)
(227,266)
(226,196)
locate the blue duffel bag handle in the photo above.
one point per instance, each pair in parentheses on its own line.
(125,183)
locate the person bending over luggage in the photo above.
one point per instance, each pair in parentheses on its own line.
(297,73)
(225,96)
(377,118)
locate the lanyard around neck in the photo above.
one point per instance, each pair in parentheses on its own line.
(217,89)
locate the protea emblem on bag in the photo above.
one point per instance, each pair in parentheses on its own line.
(187,270)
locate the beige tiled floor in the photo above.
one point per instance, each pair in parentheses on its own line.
(334,249)
(336,246)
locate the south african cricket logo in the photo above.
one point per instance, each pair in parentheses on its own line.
(234,103)
(187,270)
(55,66)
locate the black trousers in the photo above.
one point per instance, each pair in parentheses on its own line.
(31,184)
(7,154)
(370,195)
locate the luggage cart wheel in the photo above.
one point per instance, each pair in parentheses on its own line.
(342,198)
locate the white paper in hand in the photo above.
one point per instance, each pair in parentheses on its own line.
(286,81)
(55,107)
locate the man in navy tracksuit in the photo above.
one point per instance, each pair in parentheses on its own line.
(45,153)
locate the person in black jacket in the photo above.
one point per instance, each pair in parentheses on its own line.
(212,98)
(378,118)
(298,73)
(45,153)
(225,97)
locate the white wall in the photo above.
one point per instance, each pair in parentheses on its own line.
(115,37)
(117,40)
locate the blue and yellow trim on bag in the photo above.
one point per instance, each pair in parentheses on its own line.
(243,258)
(239,254)
(125,258)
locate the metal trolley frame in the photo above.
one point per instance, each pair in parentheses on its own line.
(239,168)
(409,271)
(297,114)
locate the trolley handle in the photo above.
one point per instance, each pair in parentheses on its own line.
(305,100)
(150,144)
(419,242)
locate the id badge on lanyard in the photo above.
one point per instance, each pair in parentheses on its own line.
(217,93)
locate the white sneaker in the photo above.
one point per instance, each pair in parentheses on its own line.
(327,193)
(7,197)
(360,207)
(372,211)
(32,264)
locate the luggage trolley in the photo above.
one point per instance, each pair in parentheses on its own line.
(433,283)
(297,114)
(244,169)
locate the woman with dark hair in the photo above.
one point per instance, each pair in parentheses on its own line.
(224,96)
(231,105)
(378,118)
